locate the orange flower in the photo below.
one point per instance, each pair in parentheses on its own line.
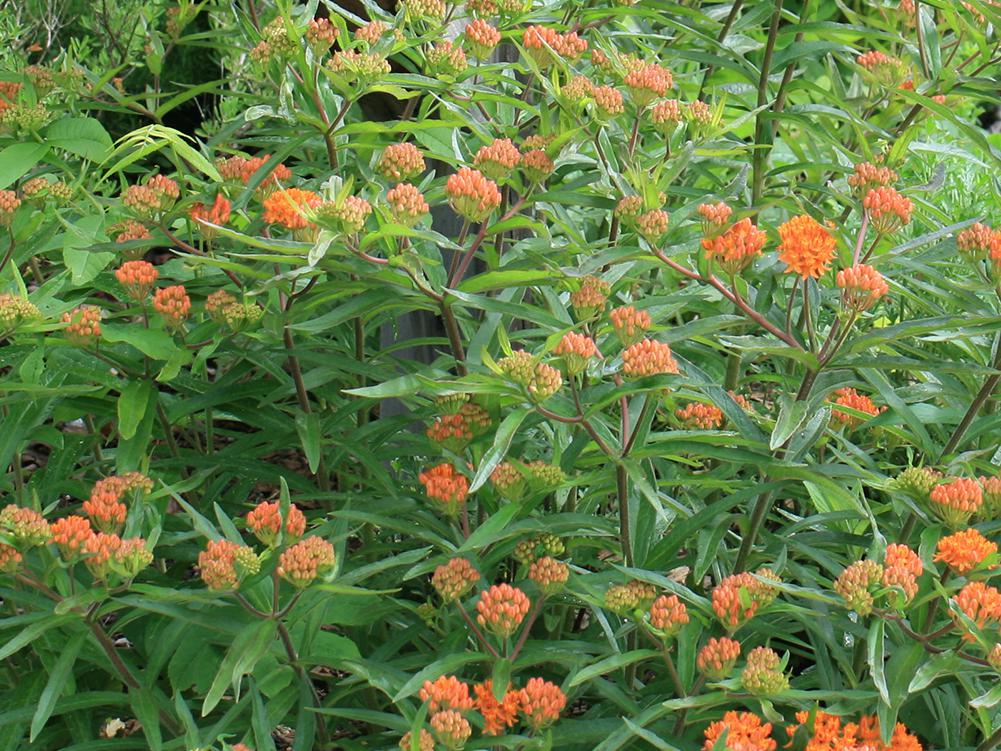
(131,231)
(629,324)
(590,299)
(647,83)
(861,287)
(451,728)
(173,304)
(71,534)
(652,225)
(445,485)
(762,675)
(453,579)
(425,741)
(855,585)
(455,431)
(979,602)
(138,278)
(576,350)
(224,563)
(446,693)
(104,507)
(736,248)
(242,170)
(978,241)
(10,559)
(715,216)
(540,380)
(497,715)
(25,527)
(717,658)
(482,38)
(738,597)
(965,551)
(541,703)
(872,58)
(8,205)
(957,500)
(665,116)
(407,204)
(867,176)
(992,496)
(401,161)
(807,247)
(698,416)
(668,615)
(901,569)
(744,732)
(472,195)
(850,398)
(648,357)
(303,562)
(265,521)
(501,609)
(829,734)
(887,209)
(608,100)
(498,159)
(217,214)
(83,325)
(549,574)
(289,208)
(151,200)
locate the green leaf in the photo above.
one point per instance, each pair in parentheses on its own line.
(17,159)
(32,632)
(155,343)
(792,414)
(144,704)
(875,656)
(308,427)
(58,677)
(501,678)
(611,664)
(137,397)
(248,647)
(83,136)
(496,453)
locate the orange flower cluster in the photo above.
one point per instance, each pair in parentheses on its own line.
(83,325)
(346,215)
(762,675)
(401,162)
(536,165)
(223,564)
(608,100)
(738,597)
(652,225)
(668,615)
(105,507)
(320,35)
(855,585)
(445,485)
(956,501)
(699,114)
(25,527)
(70,534)
(807,247)
(218,213)
(472,195)
(540,380)
(647,83)
(576,350)
(425,741)
(744,731)
(851,399)
(173,304)
(542,41)
(371,32)
(152,199)
(497,715)
(300,564)
(498,159)
(450,728)
(265,521)
(626,598)
(541,703)
(138,278)
(861,287)
(736,248)
(352,66)
(482,38)
(979,241)
(508,481)
(446,58)
(869,60)
(980,602)
(698,416)
(454,579)
(648,357)
(549,574)
(867,176)
(456,430)
(407,204)
(888,210)
(665,116)
(715,216)
(966,551)
(108,554)
(446,693)
(830,733)
(132,232)
(901,569)
(501,609)
(8,205)
(629,324)
(290,207)
(992,496)
(590,299)
(10,559)
(242,170)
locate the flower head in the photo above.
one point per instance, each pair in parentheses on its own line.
(501,609)
(498,159)
(648,357)
(173,304)
(851,399)
(665,116)
(446,693)
(549,574)
(16,310)
(957,500)
(265,521)
(699,416)
(980,602)
(807,247)
(901,569)
(320,35)
(991,508)
(608,100)
(70,534)
(425,741)
(652,225)
(104,507)
(138,278)
(345,216)
(978,241)
(887,209)
(855,585)
(738,597)
(241,170)
(303,562)
(887,71)
(735,248)
(8,205)
(668,615)
(867,176)
(763,676)
(472,195)
(744,732)
(861,287)
(717,658)
(152,199)
(918,482)
(497,715)
(451,729)
(218,213)
(454,579)
(482,38)
(456,430)
(629,324)
(445,485)
(966,551)
(400,162)
(223,564)
(576,350)
(590,299)
(290,207)
(536,165)
(10,559)
(24,527)
(353,67)
(541,703)
(647,83)
(540,380)
(447,58)
(83,325)
(508,480)
(407,204)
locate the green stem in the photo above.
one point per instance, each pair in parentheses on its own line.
(761,154)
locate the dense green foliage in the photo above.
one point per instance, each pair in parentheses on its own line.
(338,358)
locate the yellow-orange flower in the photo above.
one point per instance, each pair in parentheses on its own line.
(497,715)
(980,602)
(471,194)
(736,248)
(648,357)
(744,732)
(806,247)
(289,207)
(965,551)
(850,398)
(861,287)
(698,416)
(957,500)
